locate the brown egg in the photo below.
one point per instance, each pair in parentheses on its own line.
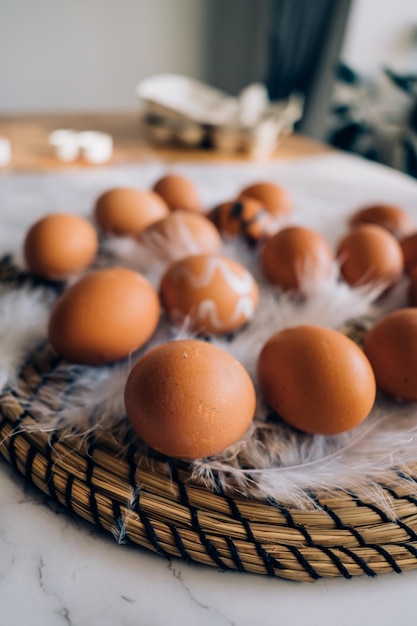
(391,348)
(409,247)
(60,245)
(394,219)
(104,317)
(212,293)
(297,259)
(180,234)
(189,399)
(413,287)
(124,211)
(369,253)
(273,197)
(316,379)
(179,193)
(246,218)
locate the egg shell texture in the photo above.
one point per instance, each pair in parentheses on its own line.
(393,218)
(213,293)
(189,399)
(297,259)
(179,193)
(104,317)
(273,197)
(370,253)
(60,245)
(316,379)
(125,211)
(391,347)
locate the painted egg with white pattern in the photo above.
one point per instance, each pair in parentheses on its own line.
(209,293)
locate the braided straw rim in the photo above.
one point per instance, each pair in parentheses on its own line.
(156,504)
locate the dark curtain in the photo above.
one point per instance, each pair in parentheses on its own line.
(299,29)
(304,45)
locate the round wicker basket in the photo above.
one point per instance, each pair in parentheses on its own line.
(154,503)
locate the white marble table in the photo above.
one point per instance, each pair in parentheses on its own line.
(56,569)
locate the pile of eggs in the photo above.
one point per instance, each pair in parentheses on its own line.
(189,398)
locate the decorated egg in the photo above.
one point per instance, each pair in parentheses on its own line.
(180,234)
(273,198)
(246,218)
(316,379)
(179,193)
(369,253)
(211,293)
(393,218)
(125,211)
(60,245)
(189,399)
(390,346)
(297,259)
(104,317)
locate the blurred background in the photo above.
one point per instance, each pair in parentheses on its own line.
(354,61)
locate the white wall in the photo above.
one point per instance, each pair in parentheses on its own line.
(83,55)
(381,33)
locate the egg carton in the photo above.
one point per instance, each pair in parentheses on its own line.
(182,110)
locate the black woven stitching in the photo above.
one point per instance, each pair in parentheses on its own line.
(136,507)
(89,482)
(49,467)
(340,525)
(387,556)
(68,493)
(411,533)
(270,562)
(411,549)
(179,542)
(4,421)
(54,437)
(404,476)
(234,553)
(358,560)
(305,563)
(409,479)
(148,526)
(290,521)
(335,559)
(210,548)
(373,507)
(12,449)
(25,413)
(29,463)
(130,458)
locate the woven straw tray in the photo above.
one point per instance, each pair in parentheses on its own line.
(153,502)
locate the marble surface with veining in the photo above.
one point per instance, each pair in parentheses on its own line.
(57,570)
